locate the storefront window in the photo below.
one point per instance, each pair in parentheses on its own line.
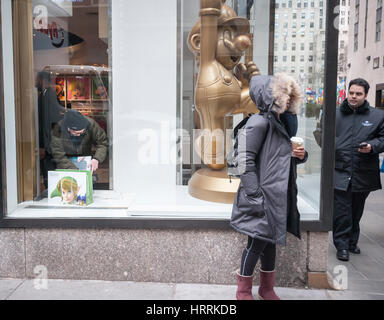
(58,105)
(122,76)
(305,65)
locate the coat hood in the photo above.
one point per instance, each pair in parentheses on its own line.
(271,93)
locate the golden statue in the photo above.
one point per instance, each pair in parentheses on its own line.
(219,40)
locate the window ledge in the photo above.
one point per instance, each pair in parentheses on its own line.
(112,205)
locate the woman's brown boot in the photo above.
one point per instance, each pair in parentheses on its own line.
(267,282)
(244,287)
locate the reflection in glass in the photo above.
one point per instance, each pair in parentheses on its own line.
(296,47)
(61,64)
(307,66)
(70,46)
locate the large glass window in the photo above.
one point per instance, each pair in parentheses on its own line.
(306,66)
(66,61)
(58,105)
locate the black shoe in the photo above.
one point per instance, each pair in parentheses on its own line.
(354,249)
(342,255)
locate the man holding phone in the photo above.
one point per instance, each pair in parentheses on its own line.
(359,141)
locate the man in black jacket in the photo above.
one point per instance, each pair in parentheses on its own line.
(359,141)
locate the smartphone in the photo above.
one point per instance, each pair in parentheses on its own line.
(363,145)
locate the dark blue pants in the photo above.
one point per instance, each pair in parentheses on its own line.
(348,210)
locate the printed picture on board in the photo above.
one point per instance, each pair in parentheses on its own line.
(70,188)
(99,88)
(78,88)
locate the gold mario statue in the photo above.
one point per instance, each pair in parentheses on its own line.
(219,39)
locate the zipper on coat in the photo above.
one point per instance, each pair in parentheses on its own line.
(352,147)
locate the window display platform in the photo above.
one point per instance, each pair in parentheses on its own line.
(175,203)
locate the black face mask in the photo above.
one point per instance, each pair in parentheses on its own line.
(77,140)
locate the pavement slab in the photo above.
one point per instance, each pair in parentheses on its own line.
(367,286)
(349,295)
(8,286)
(94,290)
(205,292)
(372,225)
(370,268)
(365,271)
(217,292)
(114,290)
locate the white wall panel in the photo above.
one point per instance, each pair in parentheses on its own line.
(144,62)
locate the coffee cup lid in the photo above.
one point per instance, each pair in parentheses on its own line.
(297,140)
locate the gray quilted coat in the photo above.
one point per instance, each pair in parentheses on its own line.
(260,209)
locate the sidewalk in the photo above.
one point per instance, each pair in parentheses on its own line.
(13,289)
(366,271)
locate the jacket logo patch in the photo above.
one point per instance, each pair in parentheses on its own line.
(367,124)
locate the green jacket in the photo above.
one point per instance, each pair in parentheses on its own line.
(94,143)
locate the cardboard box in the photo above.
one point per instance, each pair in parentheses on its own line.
(70,187)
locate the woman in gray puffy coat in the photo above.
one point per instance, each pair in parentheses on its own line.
(266,201)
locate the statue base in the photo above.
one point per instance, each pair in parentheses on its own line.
(214,186)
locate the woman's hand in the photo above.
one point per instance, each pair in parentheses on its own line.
(299,153)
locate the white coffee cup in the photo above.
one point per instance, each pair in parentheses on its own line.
(297,142)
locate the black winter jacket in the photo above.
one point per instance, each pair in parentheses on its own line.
(366,124)
(265,206)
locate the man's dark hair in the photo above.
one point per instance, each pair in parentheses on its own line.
(361,83)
